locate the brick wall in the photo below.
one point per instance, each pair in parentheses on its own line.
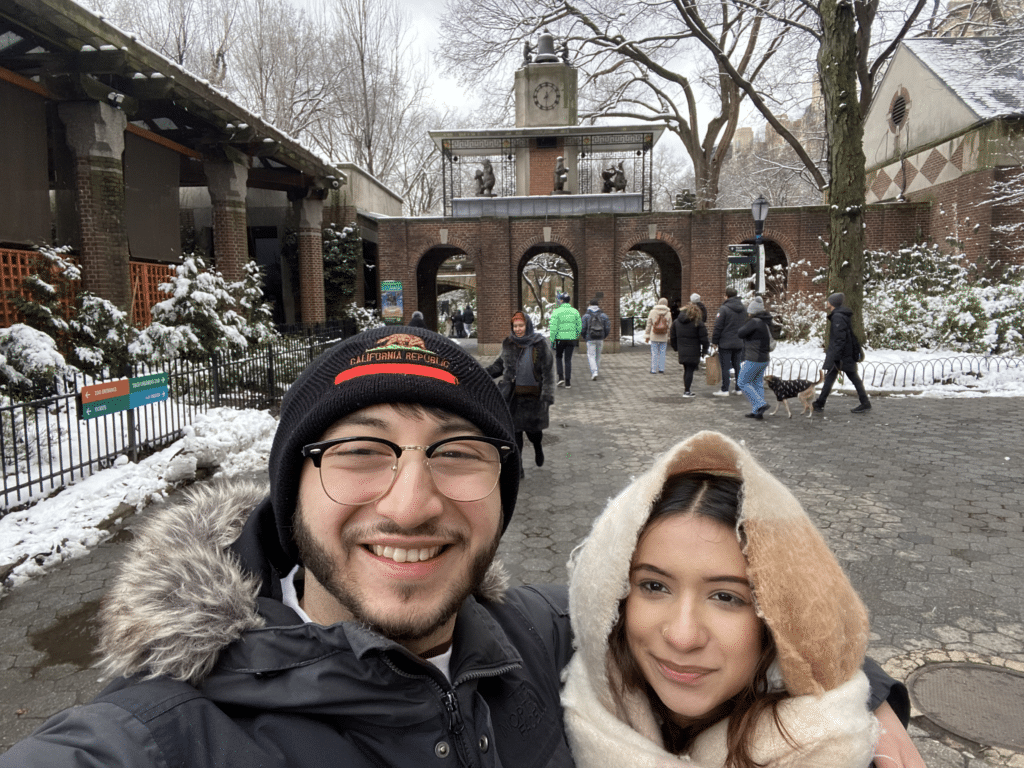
(688,244)
(542,169)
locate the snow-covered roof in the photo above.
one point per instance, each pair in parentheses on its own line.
(987,73)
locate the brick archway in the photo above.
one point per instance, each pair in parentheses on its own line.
(668,256)
(426,278)
(542,247)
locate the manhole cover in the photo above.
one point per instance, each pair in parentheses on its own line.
(980,703)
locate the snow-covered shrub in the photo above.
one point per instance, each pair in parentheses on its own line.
(30,364)
(364,318)
(204,314)
(91,333)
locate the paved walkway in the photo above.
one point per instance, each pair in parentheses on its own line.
(919,498)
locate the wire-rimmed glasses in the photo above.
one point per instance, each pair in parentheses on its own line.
(360,470)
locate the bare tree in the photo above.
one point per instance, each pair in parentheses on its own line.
(195,34)
(282,67)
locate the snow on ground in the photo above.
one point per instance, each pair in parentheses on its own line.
(77,518)
(71,522)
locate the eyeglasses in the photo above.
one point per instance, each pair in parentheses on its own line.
(360,470)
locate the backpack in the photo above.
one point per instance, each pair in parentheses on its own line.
(596,331)
(771,338)
(661,324)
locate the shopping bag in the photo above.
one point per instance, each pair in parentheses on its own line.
(713,369)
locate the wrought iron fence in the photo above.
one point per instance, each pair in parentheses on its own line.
(45,446)
(909,374)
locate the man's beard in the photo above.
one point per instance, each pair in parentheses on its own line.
(318,561)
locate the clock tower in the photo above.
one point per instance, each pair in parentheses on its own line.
(545,87)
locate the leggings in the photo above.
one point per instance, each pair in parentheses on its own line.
(688,370)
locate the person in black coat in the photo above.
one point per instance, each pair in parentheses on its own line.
(416,321)
(842,355)
(467,321)
(689,338)
(731,317)
(458,329)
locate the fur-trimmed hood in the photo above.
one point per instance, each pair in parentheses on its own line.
(183,596)
(816,618)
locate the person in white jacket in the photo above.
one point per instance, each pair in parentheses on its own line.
(656,333)
(714,627)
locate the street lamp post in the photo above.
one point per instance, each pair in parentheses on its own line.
(759,209)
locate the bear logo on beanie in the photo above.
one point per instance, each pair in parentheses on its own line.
(402,353)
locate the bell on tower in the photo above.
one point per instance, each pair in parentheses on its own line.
(545,87)
(546,49)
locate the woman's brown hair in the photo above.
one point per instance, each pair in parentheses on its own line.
(718,498)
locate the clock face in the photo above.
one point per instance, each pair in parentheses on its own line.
(546,96)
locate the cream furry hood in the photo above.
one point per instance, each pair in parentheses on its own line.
(182,595)
(819,624)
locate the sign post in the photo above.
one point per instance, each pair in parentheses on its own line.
(742,253)
(121,395)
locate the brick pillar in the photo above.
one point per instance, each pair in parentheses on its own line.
(226,182)
(311,260)
(95,135)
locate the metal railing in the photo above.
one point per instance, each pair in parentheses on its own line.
(907,374)
(45,446)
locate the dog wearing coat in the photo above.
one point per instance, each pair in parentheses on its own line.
(785,389)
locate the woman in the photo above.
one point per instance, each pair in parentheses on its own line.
(690,339)
(528,377)
(659,321)
(417,321)
(757,337)
(715,627)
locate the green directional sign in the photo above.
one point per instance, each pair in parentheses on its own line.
(747,248)
(122,395)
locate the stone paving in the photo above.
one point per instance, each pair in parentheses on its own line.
(919,499)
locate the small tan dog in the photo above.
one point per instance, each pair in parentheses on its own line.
(801,388)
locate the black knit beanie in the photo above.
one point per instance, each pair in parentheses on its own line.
(394,364)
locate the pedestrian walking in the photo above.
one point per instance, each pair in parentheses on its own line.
(467,322)
(731,317)
(527,371)
(757,337)
(656,333)
(843,354)
(565,328)
(458,329)
(695,300)
(689,338)
(417,321)
(596,328)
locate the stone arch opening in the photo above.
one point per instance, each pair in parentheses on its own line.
(554,270)
(443,269)
(637,288)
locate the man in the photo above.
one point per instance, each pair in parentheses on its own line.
(565,327)
(354,617)
(730,318)
(596,328)
(842,355)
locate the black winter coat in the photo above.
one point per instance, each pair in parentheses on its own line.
(529,413)
(841,345)
(756,338)
(731,317)
(689,339)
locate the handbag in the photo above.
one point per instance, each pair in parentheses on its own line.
(713,369)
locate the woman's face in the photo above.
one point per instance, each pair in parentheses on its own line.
(519,327)
(690,621)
